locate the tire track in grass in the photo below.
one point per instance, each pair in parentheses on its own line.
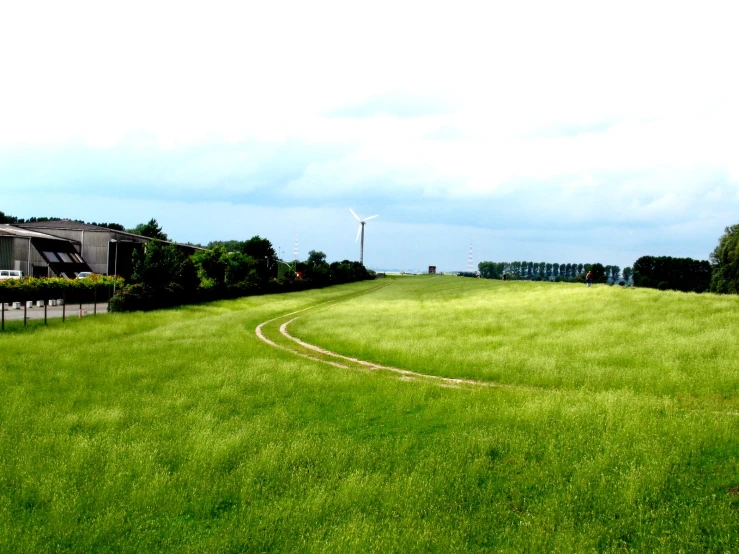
(259,331)
(322,355)
(318,354)
(405,374)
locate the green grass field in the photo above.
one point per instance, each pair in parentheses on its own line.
(180,430)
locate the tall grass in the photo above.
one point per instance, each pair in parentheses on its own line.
(180,431)
(549,335)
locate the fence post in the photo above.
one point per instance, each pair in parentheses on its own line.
(2,301)
(95,301)
(25,313)
(46,306)
(64,306)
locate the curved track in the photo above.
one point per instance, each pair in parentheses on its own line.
(316,353)
(309,351)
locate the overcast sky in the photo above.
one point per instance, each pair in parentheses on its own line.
(537,131)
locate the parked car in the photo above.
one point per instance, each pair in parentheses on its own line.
(10,274)
(83,274)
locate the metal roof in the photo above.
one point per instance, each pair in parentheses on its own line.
(69,225)
(12,231)
(66,224)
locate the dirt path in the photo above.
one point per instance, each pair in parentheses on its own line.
(318,354)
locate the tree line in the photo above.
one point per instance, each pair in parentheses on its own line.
(547,271)
(12,219)
(720,275)
(165,276)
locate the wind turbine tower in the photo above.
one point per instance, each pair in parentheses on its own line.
(360,231)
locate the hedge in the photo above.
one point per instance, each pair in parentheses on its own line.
(89,289)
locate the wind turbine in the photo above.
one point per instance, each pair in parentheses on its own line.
(360,231)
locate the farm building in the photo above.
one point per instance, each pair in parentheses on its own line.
(39,254)
(105,251)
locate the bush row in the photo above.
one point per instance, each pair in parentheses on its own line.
(90,289)
(142,297)
(164,277)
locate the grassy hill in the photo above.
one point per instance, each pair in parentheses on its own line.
(181,430)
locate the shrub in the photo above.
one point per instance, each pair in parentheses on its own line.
(725,263)
(665,272)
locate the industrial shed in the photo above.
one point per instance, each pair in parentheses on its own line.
(106,251)
(39,254)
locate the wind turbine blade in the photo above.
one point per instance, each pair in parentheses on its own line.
(371,217)
(359,231)
(355,215)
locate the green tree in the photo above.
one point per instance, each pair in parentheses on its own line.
(229,245)
(212,265)
(264,254)
(158,266)
(150,229)
(627,274)
(241,268)
(316,257)
(599,273)
(725,263)
(665,272)
(8,218)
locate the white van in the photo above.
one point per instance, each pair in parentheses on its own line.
(10,274)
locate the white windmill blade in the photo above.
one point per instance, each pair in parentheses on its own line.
(355,215)
(359,231)
(371,217)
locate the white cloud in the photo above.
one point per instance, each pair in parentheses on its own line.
(624,114)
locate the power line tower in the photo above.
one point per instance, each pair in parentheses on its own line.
(470,264)
(295,249)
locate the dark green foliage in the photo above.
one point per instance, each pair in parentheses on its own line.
(96,287)
(544,271)
(152,229)
(316,257)
(347,272)
(228,245)
(627,273)
(158,266)
(241,268)
(725,263)
(667,273)
(212,264)
(8,218)
(113,226)
(491,270)
(599,273)
(12,219)
(262,251)
(165,277)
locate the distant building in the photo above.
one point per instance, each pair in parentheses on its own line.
(432,270)
(104,251)
(39,254)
